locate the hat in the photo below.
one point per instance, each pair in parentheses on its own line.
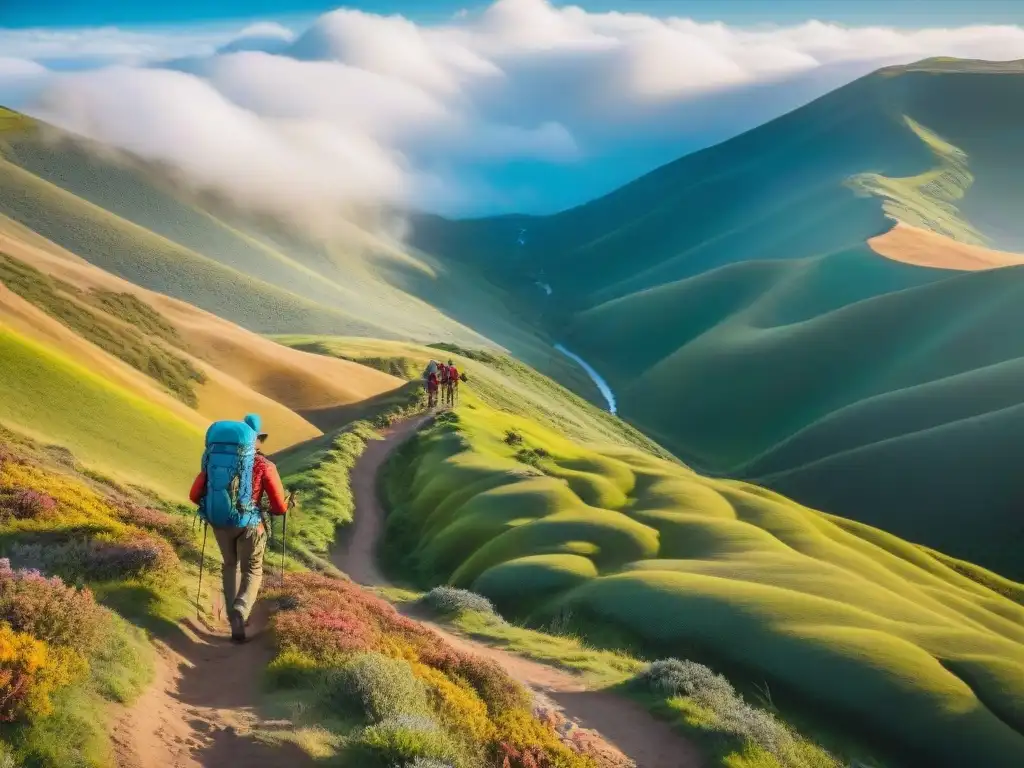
(256,424)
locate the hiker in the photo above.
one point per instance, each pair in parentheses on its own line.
(452,390)
(432,389)
(442,381)
(234,478)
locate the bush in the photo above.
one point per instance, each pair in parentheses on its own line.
(531,456)
(455,702)
(50,610)
(378,686)
(492,683)
(733,715)
(672,677)
(30,672)
(450,601)
(513,438)
(98,560)
(174,528)
(26,504)
(526,742)
(404,738)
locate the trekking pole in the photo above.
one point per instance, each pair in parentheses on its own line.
(202,562)
(284,531)
(284,547)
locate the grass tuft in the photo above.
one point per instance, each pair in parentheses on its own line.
(451,601)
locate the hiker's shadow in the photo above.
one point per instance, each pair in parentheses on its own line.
(218,673)
(220,685)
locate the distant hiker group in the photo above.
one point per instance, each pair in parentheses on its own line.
(442,380)
(229,489)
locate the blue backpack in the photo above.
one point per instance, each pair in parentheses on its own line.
(228,463)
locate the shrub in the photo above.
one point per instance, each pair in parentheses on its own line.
(30,672)
(404,738)
(526,742)
(26,504)
(531,456)
(174,528)
(492,683)
(98,560)
(733,715)
(137,313)
(450,601)
(455,702)
(672,677)
(50,610)
(379,687)
(513,438)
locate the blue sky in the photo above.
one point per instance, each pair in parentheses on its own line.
(58,13)
(518,106)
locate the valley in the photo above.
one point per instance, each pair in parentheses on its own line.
(733,461)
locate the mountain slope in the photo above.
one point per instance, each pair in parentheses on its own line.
(758,313)
(849,627)
(85,350)
(134,220)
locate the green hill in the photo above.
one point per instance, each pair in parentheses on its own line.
(45,395)
(847,626)
(734,304)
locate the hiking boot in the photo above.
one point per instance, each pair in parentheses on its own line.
(237,626)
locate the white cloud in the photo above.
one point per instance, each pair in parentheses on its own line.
(19,78)
(365,107)
(268,37)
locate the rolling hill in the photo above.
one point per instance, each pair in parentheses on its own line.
(813,304)
(918,656)
(85,351)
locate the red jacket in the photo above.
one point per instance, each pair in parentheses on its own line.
(264,480)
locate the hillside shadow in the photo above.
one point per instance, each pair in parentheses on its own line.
(220,686)
(336,417)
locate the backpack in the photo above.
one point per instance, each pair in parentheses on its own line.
(228,463)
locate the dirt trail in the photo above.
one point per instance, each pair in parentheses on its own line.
(200,710)
(624,726)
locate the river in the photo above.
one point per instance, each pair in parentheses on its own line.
(602,385)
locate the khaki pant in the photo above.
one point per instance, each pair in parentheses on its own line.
(242,547)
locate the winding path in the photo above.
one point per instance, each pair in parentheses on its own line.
(624,726)
(203,708)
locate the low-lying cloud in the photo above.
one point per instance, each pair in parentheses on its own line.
(519,106)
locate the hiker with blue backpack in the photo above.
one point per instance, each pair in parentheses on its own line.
(235,477)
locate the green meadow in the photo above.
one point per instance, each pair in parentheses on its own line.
(110,429)
(913,656)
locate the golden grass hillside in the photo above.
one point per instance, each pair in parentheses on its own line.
(244,371)
(906,649)
(45,394)
(86,350)
(924,248)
